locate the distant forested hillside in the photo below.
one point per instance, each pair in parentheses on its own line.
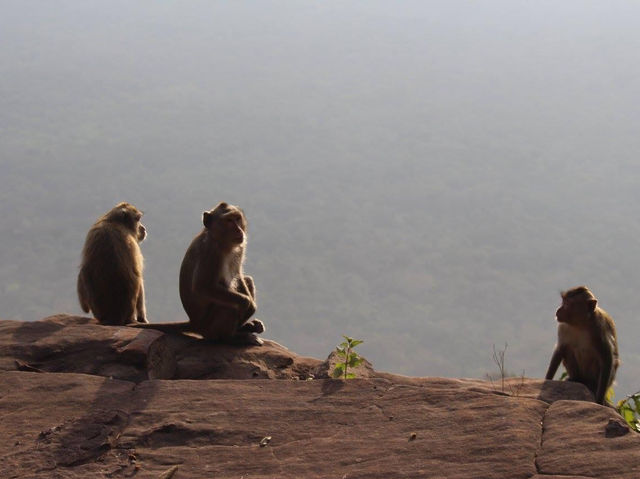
(426,177)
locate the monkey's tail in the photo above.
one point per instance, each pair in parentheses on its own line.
(169,328)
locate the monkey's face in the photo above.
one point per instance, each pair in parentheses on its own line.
(234,228)
(130,216)
(563,314)
(575,310)
(227,224)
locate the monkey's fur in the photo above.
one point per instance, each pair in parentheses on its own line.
(110,279)
(587,343)
(217,296)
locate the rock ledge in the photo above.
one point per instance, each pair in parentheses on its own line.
(83,400)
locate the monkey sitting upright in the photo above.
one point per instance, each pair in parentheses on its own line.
(110,279)
(587,343)
(217,296)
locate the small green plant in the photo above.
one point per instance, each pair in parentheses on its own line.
(350,359)
(629,409)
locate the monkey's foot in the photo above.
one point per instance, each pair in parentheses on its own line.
(252,326)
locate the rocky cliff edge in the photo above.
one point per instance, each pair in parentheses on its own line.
(83,400)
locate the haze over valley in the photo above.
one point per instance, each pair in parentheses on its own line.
(425,176)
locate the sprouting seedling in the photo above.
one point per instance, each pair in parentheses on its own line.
(350,359)
(498,358)
(629,409)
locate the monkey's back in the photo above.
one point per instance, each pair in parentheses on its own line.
(187,281)
(111,272)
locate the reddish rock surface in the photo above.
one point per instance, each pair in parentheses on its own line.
(80,345)
(199,359)
(67,425)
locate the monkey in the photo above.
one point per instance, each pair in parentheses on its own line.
(217,296)
(110,279)
(587,343)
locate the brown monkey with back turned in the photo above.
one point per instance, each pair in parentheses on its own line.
(218,297)
(110,279)
(587,343)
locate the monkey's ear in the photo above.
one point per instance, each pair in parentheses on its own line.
(206,219)
(592,304)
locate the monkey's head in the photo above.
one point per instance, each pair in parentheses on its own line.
(128,215)
(578,304)
(227,224)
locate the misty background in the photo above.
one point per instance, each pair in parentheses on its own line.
(422,175)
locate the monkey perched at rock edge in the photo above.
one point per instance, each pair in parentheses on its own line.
(587,343)
(217,296)
(110,279)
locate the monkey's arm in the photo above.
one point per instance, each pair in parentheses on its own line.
(556,358)
(209,290)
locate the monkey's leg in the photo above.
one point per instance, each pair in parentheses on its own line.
(604,378)
(250,325)
(251,287)
(141,310)
(83,297)
(246,286)
(218,323)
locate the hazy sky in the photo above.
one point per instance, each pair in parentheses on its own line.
(423,175)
